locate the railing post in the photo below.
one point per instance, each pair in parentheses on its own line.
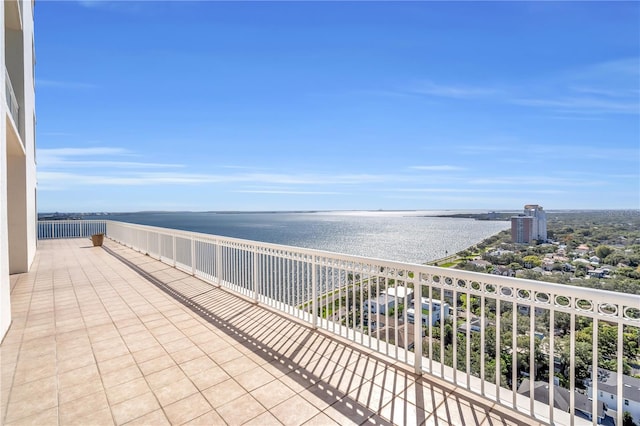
(255,274)
(173,248)
(314,293)
(417,324)
(193,256)
(219,262)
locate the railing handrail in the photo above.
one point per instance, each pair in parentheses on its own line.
(532,285)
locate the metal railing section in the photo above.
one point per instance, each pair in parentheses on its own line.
(497,336)
(12,101)
(50,229)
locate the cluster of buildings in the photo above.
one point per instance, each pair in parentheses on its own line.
(529,226)
(393,296)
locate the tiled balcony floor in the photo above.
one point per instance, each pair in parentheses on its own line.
(95,342)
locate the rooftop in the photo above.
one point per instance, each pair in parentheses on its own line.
(111,336)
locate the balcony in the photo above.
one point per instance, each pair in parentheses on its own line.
(166,326)
(12,102)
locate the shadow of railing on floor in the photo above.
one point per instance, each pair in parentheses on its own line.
(380,392)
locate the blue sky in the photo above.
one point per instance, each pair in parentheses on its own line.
(336,105)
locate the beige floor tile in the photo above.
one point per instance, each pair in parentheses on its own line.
(239,365)
(175,391)
(346,412)
(323,420)
(164,377)
(189,353)
(294,411)
(72,393)
(197,365)
(399,411)
(117,377)
(321,395)
(31,398)
(76,362)
(272,393)
(240,410)
(214,345)
(141,344)
(107,354)
(223,392)
(116,364)
(253,379)
(178,345)
(187,409)
(127,390)
(210,377)
(82,407)
(26,374)
(264,419)
(372,396)
(156,364)
(225,355)
(296,381)
(134,408)
(154,418)
(46,417)
(456,410)
(97,418)
(148,354)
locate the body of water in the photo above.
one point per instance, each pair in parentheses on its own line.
(415,237)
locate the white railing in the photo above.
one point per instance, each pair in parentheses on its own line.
(12,101)
(498,331)
(49,229)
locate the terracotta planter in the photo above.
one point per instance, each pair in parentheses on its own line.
(97,239)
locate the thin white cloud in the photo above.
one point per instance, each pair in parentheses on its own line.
(157,178)
(63,158)
(105,164)
(433,190)
(101,150)
(601,88)
(452,91)
(536,181)
(582,105)
(58,84)
(472,190)
(288,192)
(439,168)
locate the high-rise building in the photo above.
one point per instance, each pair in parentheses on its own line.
(530,226)
(18,214)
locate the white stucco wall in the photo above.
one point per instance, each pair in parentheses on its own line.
(5,303)
(18,216)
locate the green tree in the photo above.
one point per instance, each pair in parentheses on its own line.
(603,251)
(531,261)
(627,420)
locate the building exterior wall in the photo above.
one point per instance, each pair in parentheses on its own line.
(522,229)
(18,215)
(628,404)
(532,225)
